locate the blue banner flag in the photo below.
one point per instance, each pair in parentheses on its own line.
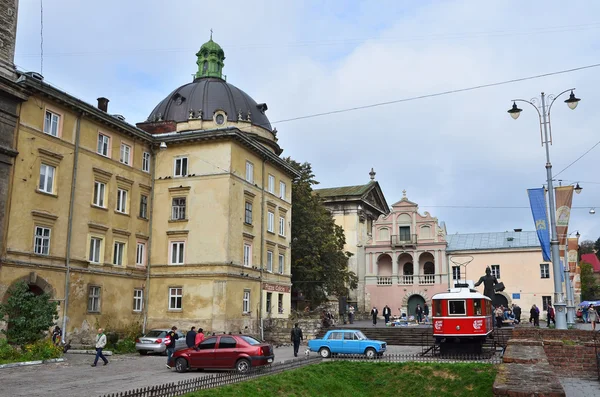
(537,200)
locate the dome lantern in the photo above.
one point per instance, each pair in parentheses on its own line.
(210,60)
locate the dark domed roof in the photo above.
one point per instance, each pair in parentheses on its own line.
(210,94)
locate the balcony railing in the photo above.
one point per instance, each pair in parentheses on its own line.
(427,279)
(406,279)
(403,240)
(384,280)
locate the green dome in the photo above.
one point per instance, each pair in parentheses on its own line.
(210,60)
(211,46)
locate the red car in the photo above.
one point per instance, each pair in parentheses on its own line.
(240,352)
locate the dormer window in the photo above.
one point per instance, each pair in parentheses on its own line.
(204,67)
(219,117)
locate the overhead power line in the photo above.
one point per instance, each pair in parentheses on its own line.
(495,207)
(577,159)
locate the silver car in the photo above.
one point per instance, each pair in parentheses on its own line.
(154,342)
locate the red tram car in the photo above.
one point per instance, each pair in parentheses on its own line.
(462,319)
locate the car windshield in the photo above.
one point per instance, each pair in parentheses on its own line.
(250,340)
(361,336)
(155,334)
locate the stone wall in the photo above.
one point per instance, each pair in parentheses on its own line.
(572,360)
(278,330)
(8,33)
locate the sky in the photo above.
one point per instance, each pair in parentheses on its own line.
(308,57)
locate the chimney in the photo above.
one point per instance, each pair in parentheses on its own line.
(518,230)
(8,36)
(103,104)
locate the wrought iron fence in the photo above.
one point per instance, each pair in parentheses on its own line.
(417,357)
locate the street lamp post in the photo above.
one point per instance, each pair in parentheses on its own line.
(544,115)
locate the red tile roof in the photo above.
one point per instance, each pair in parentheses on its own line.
(593,260)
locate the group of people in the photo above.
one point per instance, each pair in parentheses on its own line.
(506,315)
(192,339)
(421,314)
(589,314)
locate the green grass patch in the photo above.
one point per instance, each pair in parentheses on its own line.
(346,378)
(41,350)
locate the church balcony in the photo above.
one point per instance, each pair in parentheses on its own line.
(404,240)
(407,279)
(384,280)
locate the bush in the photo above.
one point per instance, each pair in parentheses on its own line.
(39,350)
(124,346)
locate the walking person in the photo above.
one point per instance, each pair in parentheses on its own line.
(296,337)
(551,317)
(534,315)
(172,335)
(56,334)
(100,343)
(584,313)
(351,314)
(374,313)
(199,337)
(419,314)
(190,337)
(387,312)
(593,316)
(517,312)
(426,313)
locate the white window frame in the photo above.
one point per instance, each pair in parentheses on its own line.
(95,249)
(247,255)
(41,245)
(46,184)
(125,157)
(183,166)
(246,302)
(51,127)
(544,270)
(281,263)
(121,201)
(177,252)
(175,293)
(146,162)
(271,222)
(119,252)
(103,147)
(271,184)
(94,292)
(138,300)
(99,194)
(495,270)
(282,190)
(178,211)
(140,253)
(270,261)
(281,226)
(249,172)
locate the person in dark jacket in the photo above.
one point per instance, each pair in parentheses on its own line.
(172,335)
(296,337)
(419,313)
(387,312)
(534,316)
(517,312)
(374,313)
(551,317)
(426,313)
(190,337)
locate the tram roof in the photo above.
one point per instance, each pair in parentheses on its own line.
(460,293)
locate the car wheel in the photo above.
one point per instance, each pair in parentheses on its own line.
(242,365)
(324,352)
(181,365)
(370,353)
(143,352)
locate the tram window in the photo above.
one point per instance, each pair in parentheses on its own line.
(437,308)
(477,307)
(457,308)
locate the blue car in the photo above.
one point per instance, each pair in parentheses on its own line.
(346,341)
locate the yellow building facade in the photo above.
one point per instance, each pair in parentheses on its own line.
(184,219)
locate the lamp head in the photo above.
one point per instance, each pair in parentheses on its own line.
(577,234)
(514,112)
(163,145)
(578,188)
(592,211)
(573,101)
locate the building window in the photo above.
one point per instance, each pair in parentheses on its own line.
(175,296)
(269,297)
(496,271)
(122,201)
(94,299)
(247,255)
(269,261)
(118,252)
(546,300)
(404,233)
(280,303)
(249,172)
(181,166)
(95,247)
(140,252)
(248,214)
(51,122)
(144,206)
(46,178)
(99,191)
(282,190)
(281,263)
(178,209)
(455,272)
(146,162)
(125,154)
(103,145)
(138,300)
(177,252)
(42,240)
(271,184)
(271,222)
(282,226)
(246,302)
(545,270)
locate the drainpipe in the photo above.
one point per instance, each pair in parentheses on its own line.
(150,211)
(262,249)
(70,226)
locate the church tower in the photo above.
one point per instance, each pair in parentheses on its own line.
(8,36)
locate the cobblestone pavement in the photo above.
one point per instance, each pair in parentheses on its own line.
(75,377)
(580,388)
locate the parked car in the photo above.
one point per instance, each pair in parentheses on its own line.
(155,341)
(347,341)
(240,352)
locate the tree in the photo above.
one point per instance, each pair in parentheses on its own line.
(590,289)
(597,247)
(319,263)
(28,315)
(586,247)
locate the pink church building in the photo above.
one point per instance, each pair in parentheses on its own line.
(406,261)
